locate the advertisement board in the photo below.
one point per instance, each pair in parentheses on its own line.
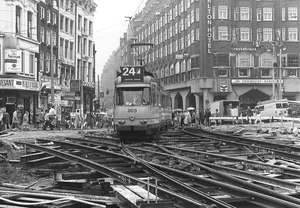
(13,61)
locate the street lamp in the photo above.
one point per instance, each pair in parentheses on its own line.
(273,73)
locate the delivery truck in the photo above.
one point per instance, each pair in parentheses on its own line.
(226,108)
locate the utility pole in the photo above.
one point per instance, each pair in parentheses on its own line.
(81,74)
(99,89)
(51,68)
(280,74)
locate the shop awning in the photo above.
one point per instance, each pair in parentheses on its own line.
(47,86)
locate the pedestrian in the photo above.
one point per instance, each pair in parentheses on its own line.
(15,120)
(207,117)
(1,120)
(6,119)
(25,125)
(47,121)
(77,121)
(249,115)
(202,117)
(217,114)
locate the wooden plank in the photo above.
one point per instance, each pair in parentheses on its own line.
(126,195)
(141,192)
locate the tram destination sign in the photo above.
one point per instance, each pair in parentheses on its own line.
(132,73)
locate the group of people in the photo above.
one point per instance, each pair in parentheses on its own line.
(192,117)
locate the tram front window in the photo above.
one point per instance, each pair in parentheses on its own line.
(133,96)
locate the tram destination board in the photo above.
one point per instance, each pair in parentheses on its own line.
(132,73)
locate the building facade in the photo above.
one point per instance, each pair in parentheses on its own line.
(19,47)
(84,54)
(209,50)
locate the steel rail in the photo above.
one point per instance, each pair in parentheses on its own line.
(239,142)
(285,170)
(196,194)
(285,198)
(116,175)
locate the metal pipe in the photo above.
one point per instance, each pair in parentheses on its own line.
(280,73)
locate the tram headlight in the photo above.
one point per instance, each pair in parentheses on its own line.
(131,117)
(143,121)
(121,121)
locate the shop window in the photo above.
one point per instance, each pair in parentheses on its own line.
(221,60)
(266,72)
(223,72)
(243,72)
(291,72)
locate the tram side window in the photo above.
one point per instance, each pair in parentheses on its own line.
(119,97)
(146,96)
(153,92)
(163,100)
(169,103)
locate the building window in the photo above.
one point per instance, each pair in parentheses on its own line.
(66,48)
(245,13)
(90,48)
(223,33)
(42,60)
(197,14)
(291,72)
(223,12)
(31,63)
(42,34)
(236,14)
(266,60)
(79,23)
(47,62)
(42,13)
(243,72)
(66,25)
(267,14)
(283,14)
(283,34)
(222,72)
(18,20)
(259,34)
(54,38)
(48,37)
(61,47)
(266,72)
(61,22)
(293,61)
(293,13)
(245,60)
(54,19)
(71,27)
(245,34)
(258,12)
(293,34)
(71,50)
(48,16)
(90,28)
(267,34)
(221,60)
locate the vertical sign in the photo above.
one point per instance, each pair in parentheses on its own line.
(209,23)
(223,85)
(13,61)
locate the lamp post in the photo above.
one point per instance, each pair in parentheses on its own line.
(273,71)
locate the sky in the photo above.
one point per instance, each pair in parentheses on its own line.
(110,23)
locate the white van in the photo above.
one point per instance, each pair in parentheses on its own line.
(272,108)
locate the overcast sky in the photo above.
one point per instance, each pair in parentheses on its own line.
(110,24)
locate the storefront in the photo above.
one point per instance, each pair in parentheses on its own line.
(17,93)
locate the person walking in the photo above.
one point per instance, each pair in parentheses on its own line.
(249,115)
(15,120)
(202,117)
(25,125)
(6,119)
(47,121)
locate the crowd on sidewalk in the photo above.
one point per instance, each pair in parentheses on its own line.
(191,117)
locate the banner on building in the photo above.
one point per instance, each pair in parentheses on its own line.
(12,61)
(75,85)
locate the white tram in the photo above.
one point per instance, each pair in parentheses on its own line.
(142,107)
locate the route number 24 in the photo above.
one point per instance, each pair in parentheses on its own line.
(131,71)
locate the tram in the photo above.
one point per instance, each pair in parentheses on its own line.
(142,107)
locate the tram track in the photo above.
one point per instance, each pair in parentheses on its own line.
(119,173)
(210,179)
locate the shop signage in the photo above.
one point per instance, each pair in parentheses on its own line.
(75,85)
(209,26)
(12,61)
(89,84)
(10,83)
(243,49)
(254,81)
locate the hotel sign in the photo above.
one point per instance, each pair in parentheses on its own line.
(8,83)
(254,81)
(12,61)
(243,49)
(209,26)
